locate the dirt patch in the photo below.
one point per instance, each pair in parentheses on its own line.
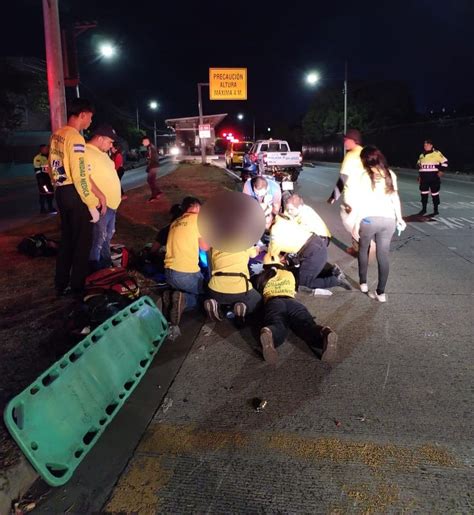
(32,320)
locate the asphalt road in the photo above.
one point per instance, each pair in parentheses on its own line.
(19,197)
(389,429)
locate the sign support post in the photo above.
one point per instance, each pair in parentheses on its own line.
(201,121)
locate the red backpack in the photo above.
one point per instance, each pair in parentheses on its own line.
(113,279)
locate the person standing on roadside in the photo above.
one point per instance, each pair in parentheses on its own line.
(153,164)
(103,177)
(45,188)
(376,216)
(76,202)
(351,171)
(431,164)
(117,157)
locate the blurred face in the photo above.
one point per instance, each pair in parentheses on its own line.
(260,192)
(427,146)
(349,144)
(145,142)
(85,120)
(44,150)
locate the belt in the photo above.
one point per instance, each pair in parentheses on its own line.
(325,239)
(234,274)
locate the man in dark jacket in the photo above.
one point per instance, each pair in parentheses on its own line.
(153,164)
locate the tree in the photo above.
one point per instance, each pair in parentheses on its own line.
(371,105)
(20,89)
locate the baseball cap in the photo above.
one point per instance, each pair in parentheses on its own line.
(354,134)
(105,130)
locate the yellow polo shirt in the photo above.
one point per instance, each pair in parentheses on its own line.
(282,285)
(182,246)
(67,163)
(287,235)
(102,170)
(231,262)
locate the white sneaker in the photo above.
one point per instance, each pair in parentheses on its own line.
(374,295)
(364,288)
(321,291)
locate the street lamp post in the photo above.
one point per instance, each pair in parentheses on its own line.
(154,106)
(201,121)
(313,78)
(240,116)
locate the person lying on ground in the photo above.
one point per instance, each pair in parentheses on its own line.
(283,312)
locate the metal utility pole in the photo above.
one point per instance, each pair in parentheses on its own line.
(154,130)
(253,129)
(54,64)
(201,121)
(138,121)
(345,99)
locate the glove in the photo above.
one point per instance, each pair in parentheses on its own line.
(94,214)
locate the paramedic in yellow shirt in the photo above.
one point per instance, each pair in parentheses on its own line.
(230,284)
(106,183)
(182,260)
(76,203)
(45,188)
(300,231)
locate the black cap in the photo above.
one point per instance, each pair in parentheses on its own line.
(105,130)
(354,134)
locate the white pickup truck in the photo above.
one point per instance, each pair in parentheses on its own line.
(273,157)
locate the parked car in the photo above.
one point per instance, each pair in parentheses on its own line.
(235,153)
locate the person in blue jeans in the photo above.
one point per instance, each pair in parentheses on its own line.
(182,269)
(106,186)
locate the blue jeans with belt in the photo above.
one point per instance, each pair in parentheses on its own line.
(103,232)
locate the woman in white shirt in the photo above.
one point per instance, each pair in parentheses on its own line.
(378,213)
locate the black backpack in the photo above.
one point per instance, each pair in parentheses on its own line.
(38,245)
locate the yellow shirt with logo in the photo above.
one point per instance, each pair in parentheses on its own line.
(182,246)
(287,235)
(40,163)
(309,219)
(282,285)
(67,163)
(231,262)
(102,170)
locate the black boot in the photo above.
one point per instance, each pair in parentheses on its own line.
(435,204)
(424,203)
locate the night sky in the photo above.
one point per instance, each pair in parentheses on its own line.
(167,47)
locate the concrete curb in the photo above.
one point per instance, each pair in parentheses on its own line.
(463,178)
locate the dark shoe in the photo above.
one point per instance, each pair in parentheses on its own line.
(435,212)
(178,304)
(166,304)
(240,310)
(212,309)
(270,354)
(422,212)
(329,351)
(352,251)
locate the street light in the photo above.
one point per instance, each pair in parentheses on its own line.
(107,50)
(313,78)
(240,116)
(269,129)
(154,107)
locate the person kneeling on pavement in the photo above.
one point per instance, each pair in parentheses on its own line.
(283,312)
(302,234)
(230,284)
(182,262)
